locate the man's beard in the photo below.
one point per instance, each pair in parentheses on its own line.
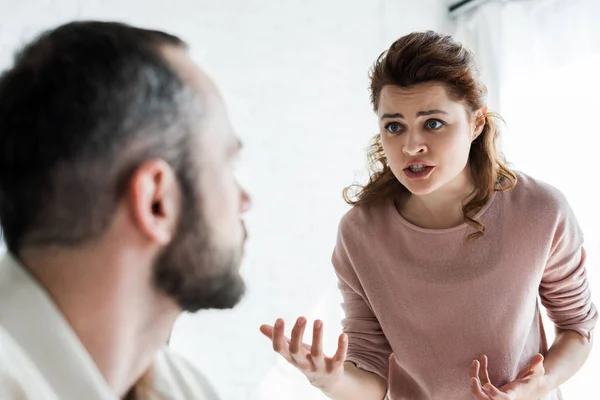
(196,274)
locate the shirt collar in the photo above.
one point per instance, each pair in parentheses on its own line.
(30,316)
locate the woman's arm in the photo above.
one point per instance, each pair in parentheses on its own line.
(565,357)
(565,293)
(357,384)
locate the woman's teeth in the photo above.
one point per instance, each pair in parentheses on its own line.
(417,168)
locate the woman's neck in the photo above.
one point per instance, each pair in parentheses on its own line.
(440,209)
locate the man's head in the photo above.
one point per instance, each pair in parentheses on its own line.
(99,120)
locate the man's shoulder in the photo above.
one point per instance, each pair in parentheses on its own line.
(176,375)
(19,377)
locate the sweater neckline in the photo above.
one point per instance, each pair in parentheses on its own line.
(417,228)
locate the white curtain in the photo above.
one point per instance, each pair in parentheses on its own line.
(541,63)
(515,39)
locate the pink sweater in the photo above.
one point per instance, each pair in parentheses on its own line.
(420,305)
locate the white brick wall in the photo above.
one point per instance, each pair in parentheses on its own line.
(294,76)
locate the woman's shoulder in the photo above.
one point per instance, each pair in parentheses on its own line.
(531,193)
(369,215)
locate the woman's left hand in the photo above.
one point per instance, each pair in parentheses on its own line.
(529,384)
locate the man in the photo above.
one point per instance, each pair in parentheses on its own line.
(119,208)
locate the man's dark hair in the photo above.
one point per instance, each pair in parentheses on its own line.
(83,105)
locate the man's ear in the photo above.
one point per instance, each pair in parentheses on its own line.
(154,200)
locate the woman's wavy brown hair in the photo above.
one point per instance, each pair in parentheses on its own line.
(428,56)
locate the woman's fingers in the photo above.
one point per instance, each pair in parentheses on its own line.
(297,349)
(340,355)
(267,330)
(280,342)
(303,356)
(297,335)
(494,393)
(475,370)
(316,350)
(481,386)
(477,390)
(537,365)
(484,376)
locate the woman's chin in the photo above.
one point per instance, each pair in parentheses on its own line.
(418,187)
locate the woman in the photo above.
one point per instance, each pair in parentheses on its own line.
(441,259)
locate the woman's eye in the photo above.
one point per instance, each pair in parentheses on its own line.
(434,124)
(394,127)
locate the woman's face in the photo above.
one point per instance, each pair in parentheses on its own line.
(426,136)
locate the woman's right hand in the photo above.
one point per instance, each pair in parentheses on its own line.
(323,372)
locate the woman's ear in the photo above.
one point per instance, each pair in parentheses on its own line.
(479,122)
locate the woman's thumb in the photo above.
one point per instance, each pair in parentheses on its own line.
(537,363)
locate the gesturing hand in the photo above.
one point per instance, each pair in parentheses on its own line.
(528,385)
(322,371)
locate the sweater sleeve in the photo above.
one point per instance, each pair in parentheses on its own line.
(368,348)
(564,289)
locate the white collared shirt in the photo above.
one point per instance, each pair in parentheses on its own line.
(41,358)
